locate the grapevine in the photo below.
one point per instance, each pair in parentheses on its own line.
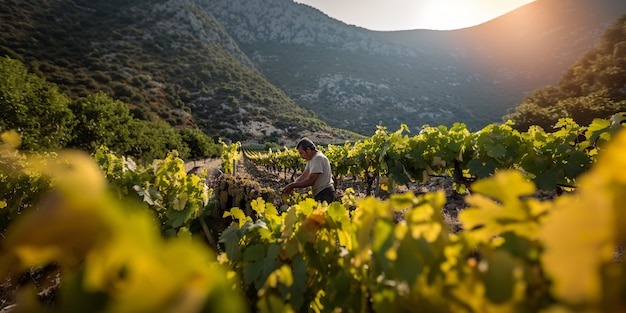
(551,160)
(513,254)
(230,155)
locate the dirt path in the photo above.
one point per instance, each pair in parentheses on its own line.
(209,164)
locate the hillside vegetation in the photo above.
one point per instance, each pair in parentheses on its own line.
(48,120)
(593,87)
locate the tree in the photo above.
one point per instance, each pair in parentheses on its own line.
(200,145)
(101,121)
(34,108)
(153,140)
(585,109)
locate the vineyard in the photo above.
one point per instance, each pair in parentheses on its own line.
(99,233)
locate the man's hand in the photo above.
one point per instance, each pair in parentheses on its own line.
(288,189)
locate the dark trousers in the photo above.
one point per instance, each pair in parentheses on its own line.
(327,194)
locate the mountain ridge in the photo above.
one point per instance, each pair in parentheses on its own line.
(416,77)
(271,70)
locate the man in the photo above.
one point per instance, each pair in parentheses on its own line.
(317,173)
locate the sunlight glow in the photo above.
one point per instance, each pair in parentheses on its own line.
(414,14)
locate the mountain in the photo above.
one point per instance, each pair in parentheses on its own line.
(354,78)
(169,60)
(528,48)
(278,70)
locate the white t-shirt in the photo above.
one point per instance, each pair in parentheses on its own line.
(320,164)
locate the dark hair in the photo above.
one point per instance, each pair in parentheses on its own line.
(305,143)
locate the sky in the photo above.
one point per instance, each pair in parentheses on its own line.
(414,14)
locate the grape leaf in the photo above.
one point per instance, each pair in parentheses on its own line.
(499,278)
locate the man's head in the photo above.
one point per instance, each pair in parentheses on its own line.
(306,148)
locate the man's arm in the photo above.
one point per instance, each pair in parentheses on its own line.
(302,176)
(302,181)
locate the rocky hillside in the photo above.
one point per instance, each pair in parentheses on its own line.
(355,79)
(169,60)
